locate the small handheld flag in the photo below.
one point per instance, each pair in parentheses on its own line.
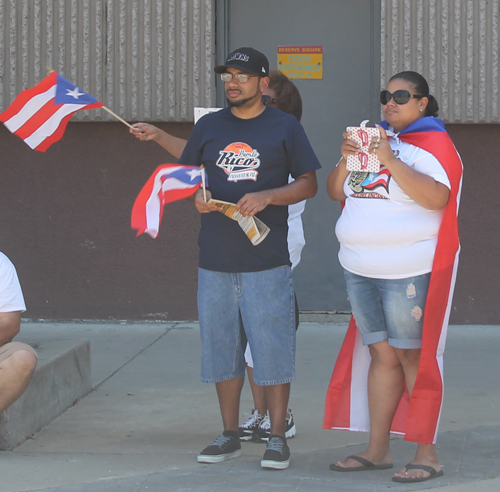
(40,115)
(168,183)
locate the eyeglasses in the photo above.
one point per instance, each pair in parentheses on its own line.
(268,100)
(400,97)
(239,77)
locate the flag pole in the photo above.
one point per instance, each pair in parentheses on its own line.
(116,116)
(203,182)
(103,107)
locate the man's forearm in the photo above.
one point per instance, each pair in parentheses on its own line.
(302,188)
(173,145)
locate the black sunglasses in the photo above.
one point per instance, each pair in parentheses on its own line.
(268,100)
(400,97)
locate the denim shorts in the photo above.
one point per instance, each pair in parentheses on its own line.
(257,307)
(389,309)
(248,352)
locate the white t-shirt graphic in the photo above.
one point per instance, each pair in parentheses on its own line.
(382,232)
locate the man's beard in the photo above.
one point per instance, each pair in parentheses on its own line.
(242,102)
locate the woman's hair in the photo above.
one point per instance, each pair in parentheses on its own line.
(287,95)
(421,87)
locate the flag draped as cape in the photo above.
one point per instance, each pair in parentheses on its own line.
(416,418)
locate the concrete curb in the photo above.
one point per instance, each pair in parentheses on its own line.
(61,378)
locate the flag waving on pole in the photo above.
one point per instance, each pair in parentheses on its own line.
(169,182)
(39,115)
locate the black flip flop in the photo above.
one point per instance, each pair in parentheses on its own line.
(432,474)
(366,465)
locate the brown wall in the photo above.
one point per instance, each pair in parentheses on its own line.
(66,226)
(477,294)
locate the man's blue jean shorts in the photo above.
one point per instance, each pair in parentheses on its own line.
(389,309)
(254,306)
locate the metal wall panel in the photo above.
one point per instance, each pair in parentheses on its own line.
(144,59)
(454,44)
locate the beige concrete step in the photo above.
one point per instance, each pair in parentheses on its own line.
(61,378)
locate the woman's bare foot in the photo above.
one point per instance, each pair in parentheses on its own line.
(425,455)
(418,472)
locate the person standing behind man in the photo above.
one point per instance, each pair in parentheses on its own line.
(248,151)
(17,360)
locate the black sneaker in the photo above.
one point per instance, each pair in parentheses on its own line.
(224,447)
(251,425)
(264,430)
(277,455)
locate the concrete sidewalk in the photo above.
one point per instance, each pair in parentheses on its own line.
(149,416)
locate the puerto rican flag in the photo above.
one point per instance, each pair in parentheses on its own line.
(39,115)
(417,418)
(169,182)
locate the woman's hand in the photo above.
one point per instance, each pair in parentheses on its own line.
(336,179)
(380,146)
(419,187)
(348,147)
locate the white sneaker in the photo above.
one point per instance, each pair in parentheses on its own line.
(247,429)
(264,430)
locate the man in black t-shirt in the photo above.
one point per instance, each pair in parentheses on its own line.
(245,292)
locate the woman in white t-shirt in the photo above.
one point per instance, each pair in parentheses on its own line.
(388,233)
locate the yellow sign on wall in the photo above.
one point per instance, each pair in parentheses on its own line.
(301,62)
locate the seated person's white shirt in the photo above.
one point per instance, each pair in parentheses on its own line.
(11,295)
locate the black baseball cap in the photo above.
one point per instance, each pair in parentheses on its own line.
(247,60)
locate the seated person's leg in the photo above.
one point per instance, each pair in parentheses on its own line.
(17,364)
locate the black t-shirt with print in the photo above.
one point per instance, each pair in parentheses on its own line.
(245,156)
